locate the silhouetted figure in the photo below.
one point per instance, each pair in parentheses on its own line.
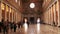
(21,24)
(0,27)
(18,24)
(28,23)
(5,27)
(11,25)
(15,27)
(54,23)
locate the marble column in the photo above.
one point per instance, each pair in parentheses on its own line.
(0,12)
(6,12)
(51,16)
(9,14)
(54,12)
(58,9)
(12,15)
(16,17)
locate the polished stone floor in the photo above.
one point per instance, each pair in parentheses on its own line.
(37,29)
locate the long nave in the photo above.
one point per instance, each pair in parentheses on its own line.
(29,16)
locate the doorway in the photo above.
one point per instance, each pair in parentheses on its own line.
(32,20)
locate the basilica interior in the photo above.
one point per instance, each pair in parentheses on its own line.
(29,17)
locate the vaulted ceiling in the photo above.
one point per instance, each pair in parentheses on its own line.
(27,9)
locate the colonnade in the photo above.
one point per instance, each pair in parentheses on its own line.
(51,15)
(9,13)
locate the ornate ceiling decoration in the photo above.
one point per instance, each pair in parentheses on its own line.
(28,10)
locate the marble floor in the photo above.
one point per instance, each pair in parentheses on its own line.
(36,29)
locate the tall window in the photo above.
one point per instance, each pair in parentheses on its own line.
(46,0)
(7,8)
(19,2)
(16,1)
(10,9)
(2,6)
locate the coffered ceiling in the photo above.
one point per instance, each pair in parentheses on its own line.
(27,9)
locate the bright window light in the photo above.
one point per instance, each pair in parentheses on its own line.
(6,8)
(10,10)
(16,1)
(32,5)
(2,6)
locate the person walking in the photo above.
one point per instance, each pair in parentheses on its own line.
(5,27)
(0,27)
(15,27)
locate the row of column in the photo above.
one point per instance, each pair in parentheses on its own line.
(51,16)
(9,13)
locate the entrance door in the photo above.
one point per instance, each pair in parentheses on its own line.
(32,20)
